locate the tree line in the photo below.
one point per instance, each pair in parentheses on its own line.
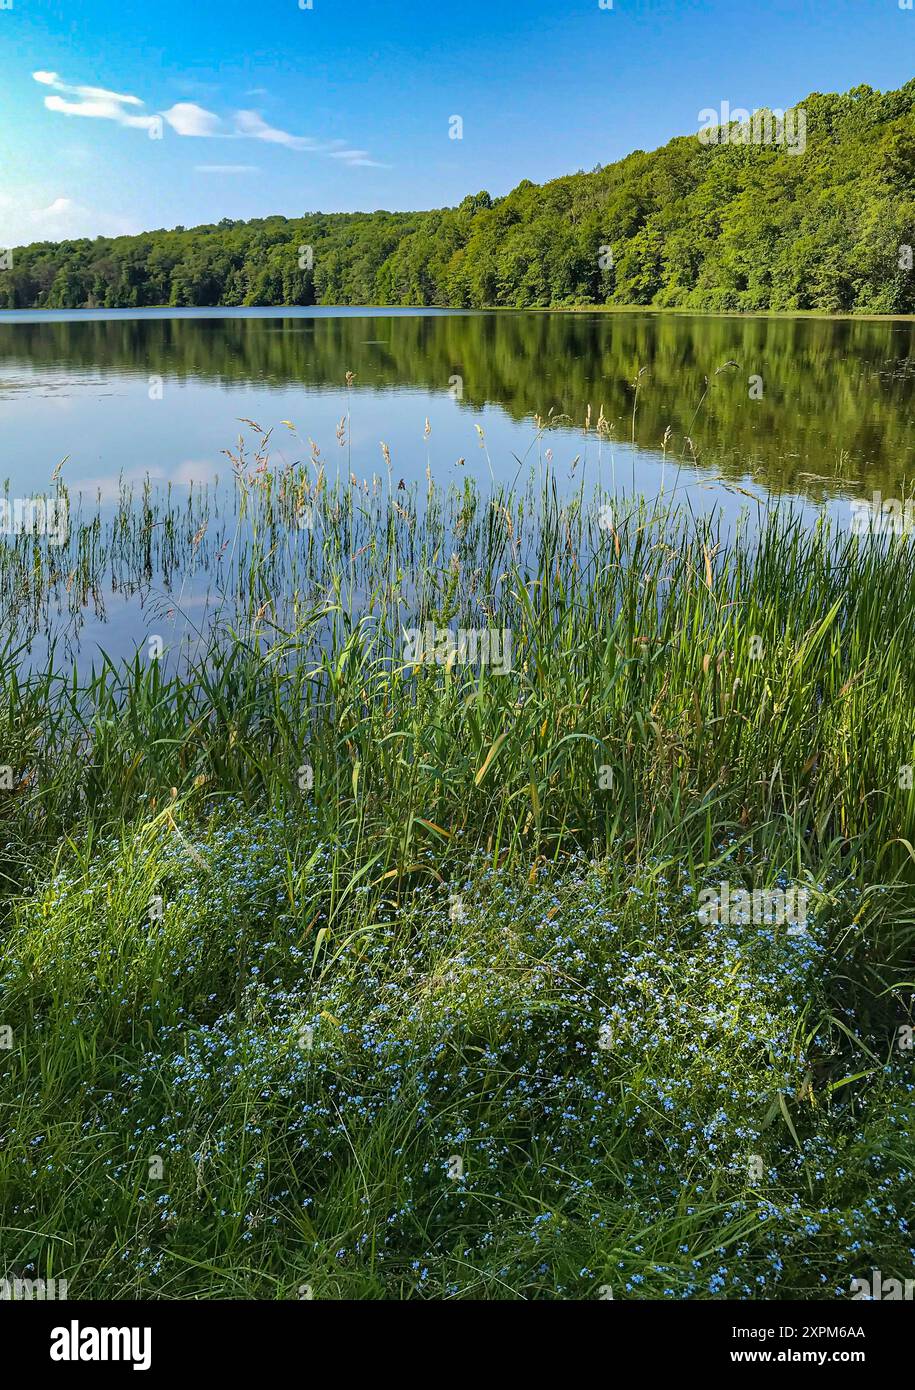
(734,225)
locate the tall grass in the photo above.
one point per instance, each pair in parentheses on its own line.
(755,684)
(683,703)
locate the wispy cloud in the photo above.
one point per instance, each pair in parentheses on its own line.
(252,126)
(55,209)
(188,119)
(94,102)
(357,158)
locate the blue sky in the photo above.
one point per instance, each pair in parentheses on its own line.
(269,107)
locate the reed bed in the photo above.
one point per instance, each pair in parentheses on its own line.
(447,877)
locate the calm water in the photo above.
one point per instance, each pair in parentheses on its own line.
(807,409)
(835,416)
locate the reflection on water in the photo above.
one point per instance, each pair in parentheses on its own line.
(717,413)
(809,406)
(295,563)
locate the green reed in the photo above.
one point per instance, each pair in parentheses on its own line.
(670,684)
(683,703)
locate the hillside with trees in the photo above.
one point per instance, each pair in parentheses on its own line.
(733,226)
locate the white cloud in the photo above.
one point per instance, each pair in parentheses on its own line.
(96,103)
(357,158)
(68,218)
(187,118)
(55,209)
(254,127)
(30,216)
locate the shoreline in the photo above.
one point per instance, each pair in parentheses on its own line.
(429,310)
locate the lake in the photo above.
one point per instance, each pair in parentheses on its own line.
(713,410)
(831,413)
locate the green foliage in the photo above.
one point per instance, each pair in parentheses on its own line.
(723,227)
(458,939)
(178,1040)
(558,1095)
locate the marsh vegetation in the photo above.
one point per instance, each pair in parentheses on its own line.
(331,973)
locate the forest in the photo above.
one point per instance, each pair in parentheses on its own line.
(710,226)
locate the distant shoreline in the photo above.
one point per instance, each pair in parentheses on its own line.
(191,311)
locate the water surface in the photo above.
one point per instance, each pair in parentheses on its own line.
(718,412)
(814,407)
